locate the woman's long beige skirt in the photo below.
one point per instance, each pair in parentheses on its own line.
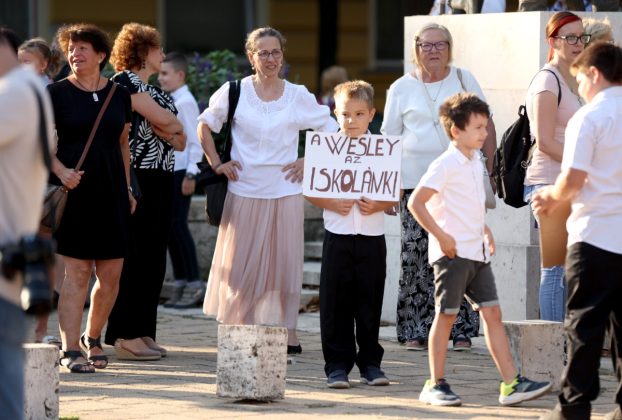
(256,273)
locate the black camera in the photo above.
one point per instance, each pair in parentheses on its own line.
(33,256)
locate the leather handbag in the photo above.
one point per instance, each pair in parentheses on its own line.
(56,195)
(134,184)
(215,184)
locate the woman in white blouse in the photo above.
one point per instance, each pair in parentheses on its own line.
(256,273)
(411,111)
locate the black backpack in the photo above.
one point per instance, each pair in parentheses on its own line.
(513,156)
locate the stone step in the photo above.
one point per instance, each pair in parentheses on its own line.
(313,250)
(311,273)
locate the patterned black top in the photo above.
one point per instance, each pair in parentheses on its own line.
(148,150)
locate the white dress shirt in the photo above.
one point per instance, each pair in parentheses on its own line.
(265,135)
(459,205)
(594,145)
(188,112)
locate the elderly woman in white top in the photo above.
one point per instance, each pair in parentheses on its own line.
(256,273)
(411,111)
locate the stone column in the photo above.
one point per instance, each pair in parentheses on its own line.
(41,382)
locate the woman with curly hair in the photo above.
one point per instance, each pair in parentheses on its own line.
(93,231)
(156,133)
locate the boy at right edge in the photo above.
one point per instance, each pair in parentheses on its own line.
(449,203)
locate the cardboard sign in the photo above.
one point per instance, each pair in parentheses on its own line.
(337,166)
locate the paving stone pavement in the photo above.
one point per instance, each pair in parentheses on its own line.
(183,385)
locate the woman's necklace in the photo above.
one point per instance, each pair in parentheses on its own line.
(93,92)
(438,92)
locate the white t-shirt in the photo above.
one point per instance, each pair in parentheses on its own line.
(23,174)
(594,145)
(411,114)
(543,169)
(188,112)
(459,206)
(265,135)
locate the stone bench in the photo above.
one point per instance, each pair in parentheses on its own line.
(537,349)
(41,382)
(252,362)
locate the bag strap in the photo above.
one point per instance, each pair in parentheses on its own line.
(459,71)
(234,97)
(559,86)
(95,126)
(43,132)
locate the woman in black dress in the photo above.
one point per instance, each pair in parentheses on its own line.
(156,132)
(94,228)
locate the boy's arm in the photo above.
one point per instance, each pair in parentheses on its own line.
(368,206)
(341,207)
(416,205)
(567,185)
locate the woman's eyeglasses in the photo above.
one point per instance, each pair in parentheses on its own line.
(264,54)
(573,39)
(427,46)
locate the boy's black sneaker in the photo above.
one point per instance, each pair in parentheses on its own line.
(438,394)
(373,376)
(521,389)
(338,379)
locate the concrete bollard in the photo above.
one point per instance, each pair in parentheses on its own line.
(538,349)
(41,385)
(252,362)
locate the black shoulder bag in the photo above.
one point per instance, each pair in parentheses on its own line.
(216,185)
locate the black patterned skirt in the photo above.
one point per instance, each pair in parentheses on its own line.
(415,300)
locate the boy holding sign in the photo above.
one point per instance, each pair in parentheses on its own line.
(353,262)
(460,248)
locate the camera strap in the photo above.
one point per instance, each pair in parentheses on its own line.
(43,132)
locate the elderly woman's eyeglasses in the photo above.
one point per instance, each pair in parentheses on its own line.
(264,54)
(573,39)
(427,46)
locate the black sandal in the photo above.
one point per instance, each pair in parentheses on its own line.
(69,361)
(87,343)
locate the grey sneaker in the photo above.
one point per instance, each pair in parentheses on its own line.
(372,375)
(192,296)
(438,394)
(521,389)
(177,293)
(338,379)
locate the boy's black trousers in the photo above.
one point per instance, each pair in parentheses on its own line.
(351,292)
(594,303)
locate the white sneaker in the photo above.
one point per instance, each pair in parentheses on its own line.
(439,394)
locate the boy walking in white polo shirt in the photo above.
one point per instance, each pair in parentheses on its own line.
(353,262)
(449,203)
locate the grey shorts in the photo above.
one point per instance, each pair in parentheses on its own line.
(459,277)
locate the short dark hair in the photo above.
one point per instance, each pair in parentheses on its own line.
(177,60)
(606,57)
(85,32)
(10,37)
(457,109)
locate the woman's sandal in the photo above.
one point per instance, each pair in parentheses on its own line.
(87,343)
(69,360)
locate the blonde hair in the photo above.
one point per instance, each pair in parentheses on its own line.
(253,37)
(51,56)
(427,27)
(599,29)
(355,89)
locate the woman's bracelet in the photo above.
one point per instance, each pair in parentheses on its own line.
(216,167)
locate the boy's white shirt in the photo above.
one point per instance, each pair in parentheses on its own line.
(354,223)
(188,112)
(593,145)
(458,207)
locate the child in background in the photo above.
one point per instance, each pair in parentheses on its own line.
(353,262)
(36,53)
(189,289)
(449,203)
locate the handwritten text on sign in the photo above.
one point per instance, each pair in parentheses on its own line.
(337,166)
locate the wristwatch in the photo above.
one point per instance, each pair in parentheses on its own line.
(190,176)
